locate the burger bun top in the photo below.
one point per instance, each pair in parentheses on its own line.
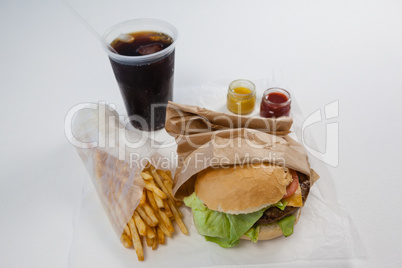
(242,189)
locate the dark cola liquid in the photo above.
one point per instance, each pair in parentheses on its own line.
(146,88)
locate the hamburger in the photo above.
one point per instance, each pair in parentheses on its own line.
(254,202)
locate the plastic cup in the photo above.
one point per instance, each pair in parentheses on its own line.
(145,81)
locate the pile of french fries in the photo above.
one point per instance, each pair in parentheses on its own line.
(153,217)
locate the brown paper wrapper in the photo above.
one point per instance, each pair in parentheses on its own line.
(210,139)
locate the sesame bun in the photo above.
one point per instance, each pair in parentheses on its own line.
(242,189)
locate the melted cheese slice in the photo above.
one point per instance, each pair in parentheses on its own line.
(295,200)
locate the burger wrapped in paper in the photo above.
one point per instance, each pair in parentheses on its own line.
(243,177)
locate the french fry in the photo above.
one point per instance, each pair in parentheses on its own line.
(156,190)
(126,240)
(159,201)
(151,232)
(143,198)
(158,180)
(153,219)
(164,175)
(173,204)
(136,240)
(177,217)
(151,213)
(151,199)
(141,227)
(127,230)
(146,176)
(155,243)
(149,241)
(167,209)
(166,221)
(169,186)
(163,227)
(168,181)
(161,236)
(147,166)
(145,217)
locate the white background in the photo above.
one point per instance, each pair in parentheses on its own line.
(325,51)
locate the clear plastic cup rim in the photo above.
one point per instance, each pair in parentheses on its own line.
(137,25)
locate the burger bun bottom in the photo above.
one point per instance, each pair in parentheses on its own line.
(270,231)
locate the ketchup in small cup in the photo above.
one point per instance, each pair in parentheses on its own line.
(275,103)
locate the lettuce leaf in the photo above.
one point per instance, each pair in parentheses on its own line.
(221,228)
(281,204)
(287,225)
(253,233)
(226,229)
(223,242)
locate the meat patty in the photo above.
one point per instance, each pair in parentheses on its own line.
(274,214)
